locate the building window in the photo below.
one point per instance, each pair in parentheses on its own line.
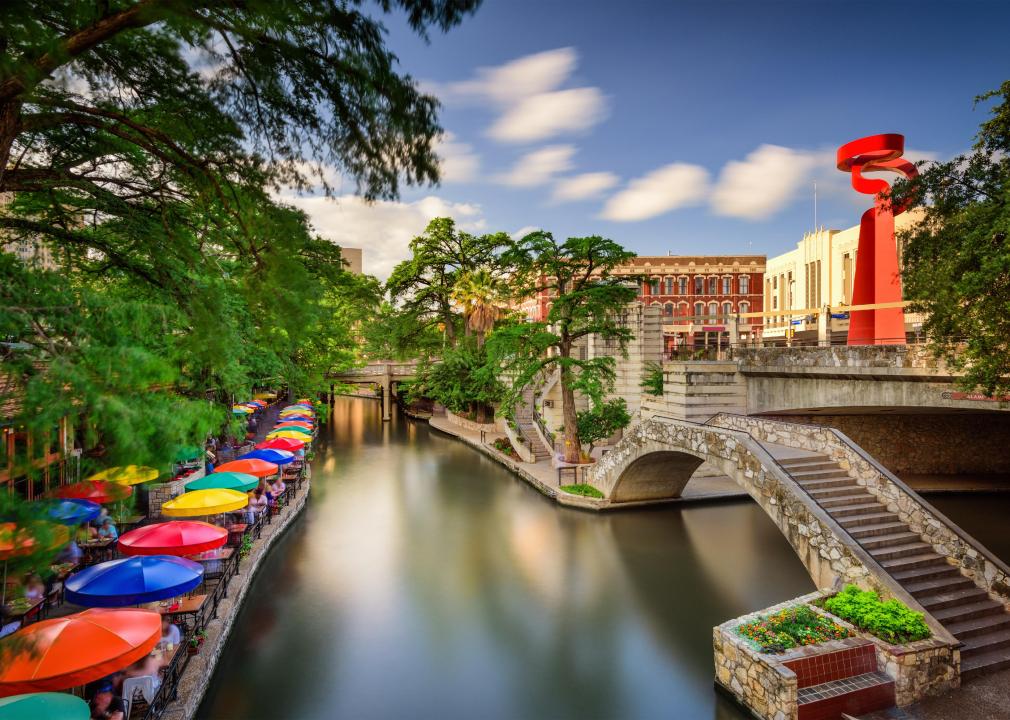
(727,309)
(682,283)
(713,286)
(699,285)
(668,309)
(713,309)
(654,287)
(744,284)
(744,307)
(727,286)
(699,309)
(669,286)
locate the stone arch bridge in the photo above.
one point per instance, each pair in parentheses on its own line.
(845,515)
(384,374)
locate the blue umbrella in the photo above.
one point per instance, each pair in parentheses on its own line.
(74,512)
(133,580)
(277,457)
(303,418)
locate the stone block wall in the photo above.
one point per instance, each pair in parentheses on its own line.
(987,571)
(907,357)
(696,391)
(961,443)
(161,493)
(469,424)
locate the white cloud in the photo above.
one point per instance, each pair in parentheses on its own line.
(583,187)
(763,183)
(459,163)
(383,229)
(508,83)
(527,93)
(664,189)
(539,167)
(523,232)
(548,114)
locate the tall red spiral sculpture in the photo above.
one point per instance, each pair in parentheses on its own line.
(878,279)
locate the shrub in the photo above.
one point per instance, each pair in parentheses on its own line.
(503,446)
(583,490)
(792,627)
(890,620)
(652,379)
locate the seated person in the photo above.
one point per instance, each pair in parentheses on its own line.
(71,553)
(106,705)
(108,530)
(170,634)
(35,589)
(278,487)
(86,533)
(258,502)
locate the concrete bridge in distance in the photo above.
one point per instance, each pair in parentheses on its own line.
(846,516)
(384,374)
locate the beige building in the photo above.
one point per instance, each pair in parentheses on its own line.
(352,259)
(818,273)
(30,251)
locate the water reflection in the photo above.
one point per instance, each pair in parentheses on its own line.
(426,581)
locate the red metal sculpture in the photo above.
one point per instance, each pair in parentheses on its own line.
(878,279)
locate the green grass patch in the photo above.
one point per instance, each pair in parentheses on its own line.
(583,490)
(889,620)
(791,627)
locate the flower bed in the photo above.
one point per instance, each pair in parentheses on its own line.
(791,627)
(503,446)
(583,490)
(888,620)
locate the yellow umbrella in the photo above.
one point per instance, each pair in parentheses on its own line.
(264,396)
(242,409)
(129,475)
(289,434)
(197,503)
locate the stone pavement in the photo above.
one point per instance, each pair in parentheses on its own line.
(984,698)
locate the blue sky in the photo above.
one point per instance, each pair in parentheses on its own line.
(685,127)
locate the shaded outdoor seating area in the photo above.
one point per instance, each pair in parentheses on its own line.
(111,624)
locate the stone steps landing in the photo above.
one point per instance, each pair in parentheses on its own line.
(965,610)
(840,680)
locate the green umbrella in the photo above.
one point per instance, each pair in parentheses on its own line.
(56,705)
(224,481)
(296,428)
(188,453)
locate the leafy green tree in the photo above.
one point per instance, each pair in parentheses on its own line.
(428,284)
(463,380)
(585,300)
(957,260)
(481,296)
(652,379)
(601,421)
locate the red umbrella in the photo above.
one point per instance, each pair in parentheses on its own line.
(95,491)
(69,651)
(252,466)
(281,444)
(177,537)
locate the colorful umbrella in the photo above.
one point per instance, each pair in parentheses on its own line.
(277,457)
(35,706)
(308,424)
(243,482)
(73,512)
(241,409)
(297,418)
(293,428)
(290,435)
(18,541)
(297,410)
(74,650)
(205,502)
(177,537)
(132,580)
(259,468)
(290,444)
(129,475)
(257,403)
(98,492)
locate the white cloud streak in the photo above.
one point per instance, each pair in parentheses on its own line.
(662,190)
(583,187)
(539,167)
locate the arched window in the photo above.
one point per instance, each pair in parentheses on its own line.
(744,307)
(699,285)
(668,309)
(727,309)
(654,286)
(682,284)
(713,286)
(669,286)
(713,309)
(727,286)
(744,284)
(699,309)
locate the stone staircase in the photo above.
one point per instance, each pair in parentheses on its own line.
(967,611)
(524,421)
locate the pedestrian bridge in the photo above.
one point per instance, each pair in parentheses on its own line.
(846,516)
(384,374)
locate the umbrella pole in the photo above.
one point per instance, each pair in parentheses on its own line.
(3,593)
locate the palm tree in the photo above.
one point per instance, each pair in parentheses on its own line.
(479,294)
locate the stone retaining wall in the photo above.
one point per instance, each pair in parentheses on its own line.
(469,424)
(200,669)
(987,571)
(841,356)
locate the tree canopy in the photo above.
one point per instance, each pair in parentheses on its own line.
(957,260)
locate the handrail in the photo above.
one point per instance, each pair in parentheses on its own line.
(909,492)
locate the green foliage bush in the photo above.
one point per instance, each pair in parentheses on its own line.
(652,379)
(791,627)
(889,620)
(583,490)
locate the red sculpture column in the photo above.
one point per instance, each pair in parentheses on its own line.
(878,279)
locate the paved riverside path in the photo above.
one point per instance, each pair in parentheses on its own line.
(700,488)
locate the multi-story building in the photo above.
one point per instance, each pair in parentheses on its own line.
(820,272)
(352,259)
(30,251)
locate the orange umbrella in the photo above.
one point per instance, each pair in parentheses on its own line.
(259,468)
(18,541)
(293,423)
(69,651)
(95,491)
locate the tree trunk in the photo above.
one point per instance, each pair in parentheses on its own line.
(572,447)
(10,111)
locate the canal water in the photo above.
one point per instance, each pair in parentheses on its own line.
(426,581)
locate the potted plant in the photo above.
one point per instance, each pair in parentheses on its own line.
(194,646)
(201,636)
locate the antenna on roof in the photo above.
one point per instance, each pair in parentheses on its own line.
(815,206)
